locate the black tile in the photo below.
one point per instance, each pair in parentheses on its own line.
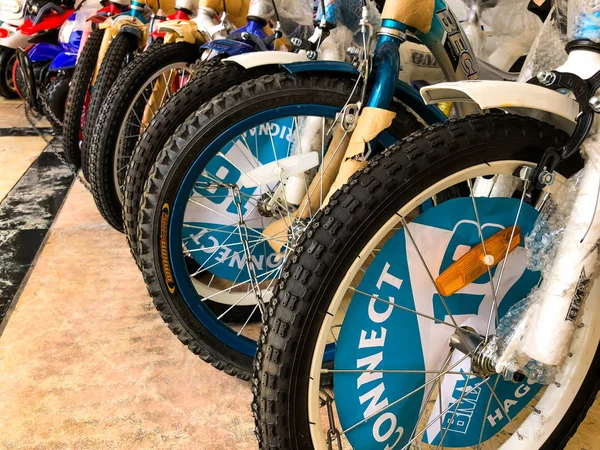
(17,250)
(24,131)
(26,214)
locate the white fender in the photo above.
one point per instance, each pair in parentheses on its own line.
(519,98)
(15,38)
(255,59)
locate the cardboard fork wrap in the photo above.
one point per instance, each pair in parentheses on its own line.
(331,164)
(340,163)
(371,122)
(167,7)
(413,13)
(156,100)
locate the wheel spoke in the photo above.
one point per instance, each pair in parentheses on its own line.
(404,308)
(395,402)
(237,302)
(239,333)
(460,399)
(487,409)
(441,415)
(512,235)
(241,283)
(494,307)
(438,386)
(204,269)
(254,181)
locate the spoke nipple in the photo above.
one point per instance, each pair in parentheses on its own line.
(488,260)
(581,325)
(520,437)
(557,385)
(570,355)
(537,411)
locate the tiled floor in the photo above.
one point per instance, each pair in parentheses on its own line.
(13,167)
(12,115)
(86,362)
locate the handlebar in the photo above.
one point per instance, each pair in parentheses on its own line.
(47,9)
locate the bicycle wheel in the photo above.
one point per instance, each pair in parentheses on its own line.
(56,95)
(365,277)
(203,218)
(211,79)
(78,98)
(133,100)
(7,62)
(120,52)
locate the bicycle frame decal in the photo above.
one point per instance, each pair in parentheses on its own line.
(449,45)
(446,41)
(372,329)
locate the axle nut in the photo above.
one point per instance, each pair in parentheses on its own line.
(546,77)
(546,178)
(595,103)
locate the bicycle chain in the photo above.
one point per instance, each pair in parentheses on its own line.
(48,110)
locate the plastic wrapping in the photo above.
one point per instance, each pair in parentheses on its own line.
(558,229)
(295,16)
(511,325)
(499,31)
(85,11)
(334,47)
(348,13)
(542,246)
(584,20)
(543,242)
(548,49)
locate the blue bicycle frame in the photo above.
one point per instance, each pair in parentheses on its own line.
(235,44)
(445,39)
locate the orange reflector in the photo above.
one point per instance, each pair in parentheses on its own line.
(475,262)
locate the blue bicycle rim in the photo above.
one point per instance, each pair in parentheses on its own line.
(200,309)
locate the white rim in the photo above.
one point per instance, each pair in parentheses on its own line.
(555,402)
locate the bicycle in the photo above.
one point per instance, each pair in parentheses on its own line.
(158,74)
(239,182)
(453,276)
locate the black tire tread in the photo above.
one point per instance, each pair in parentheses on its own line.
(55,95)
(257,89)
(397,171)
(212,78)
(5,91)
(102,146)
(112,65)
(78,89)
